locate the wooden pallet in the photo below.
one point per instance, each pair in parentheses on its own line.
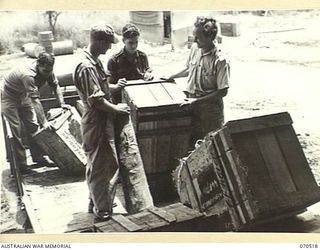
(175,217)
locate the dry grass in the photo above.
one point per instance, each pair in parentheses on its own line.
(20,27)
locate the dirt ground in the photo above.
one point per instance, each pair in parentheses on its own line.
(275,66)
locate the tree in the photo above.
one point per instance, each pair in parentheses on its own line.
(52,19)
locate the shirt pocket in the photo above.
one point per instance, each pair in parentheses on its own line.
(208,79)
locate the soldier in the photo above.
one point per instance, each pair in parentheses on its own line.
(208,74)
(129,63)
(98,122)
(20,99)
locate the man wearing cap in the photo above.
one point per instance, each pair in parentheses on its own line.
(129,63)
(208,74)
(98,121)
(20,101)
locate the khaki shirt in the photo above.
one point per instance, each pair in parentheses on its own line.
(119,65)
(25,82)
(91,80)
(208,72)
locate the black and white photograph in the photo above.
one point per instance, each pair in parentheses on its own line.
(127,121)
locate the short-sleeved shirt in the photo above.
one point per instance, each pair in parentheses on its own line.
(119,66)
(208,72)
(25,82)
(90,79)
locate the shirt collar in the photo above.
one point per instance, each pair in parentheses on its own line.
(90,57)
(125,52)
(212,51)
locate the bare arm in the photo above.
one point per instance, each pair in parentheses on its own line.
(216,95)
(182,73)
(58,94)
(35,102)
(116,86)
(109,107)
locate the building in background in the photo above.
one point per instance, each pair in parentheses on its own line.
(163,27)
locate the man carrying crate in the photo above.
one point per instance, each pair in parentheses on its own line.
(208,79)
(98,122)
(20,102)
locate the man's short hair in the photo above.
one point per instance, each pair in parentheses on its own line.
(103,32)
(130,30)
(208,24)
(45,58)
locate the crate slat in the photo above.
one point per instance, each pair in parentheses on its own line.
(163,129)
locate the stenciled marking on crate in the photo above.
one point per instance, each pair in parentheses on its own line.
(74,129)
(210,188)
(201,168)
(72,143)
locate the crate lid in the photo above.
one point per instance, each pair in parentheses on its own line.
(157,94)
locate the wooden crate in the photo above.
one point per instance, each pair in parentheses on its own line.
(260,168)
(162,128)
(64,144)
(172,218)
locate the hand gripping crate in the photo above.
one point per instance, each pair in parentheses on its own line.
(64,145)
(253,168)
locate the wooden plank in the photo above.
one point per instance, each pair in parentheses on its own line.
(163,148)
(174,91)
(194,200)
(159,93)
(163,214)
(235,179)
(126,223)
(145,146)
(140,95)
(274,161)
(258,179)
(182,213)
(221,175)
(235,196)
(181,175)
(295,158)
(109,226)
(179,147)
(143,82)
(149,221)
(32,214)
(240,178)
(225,137)
(237,171)
(164,122)
(256,123)
(157,132)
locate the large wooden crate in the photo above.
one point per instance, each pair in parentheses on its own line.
(254,169)
(64,144)
(162,129)
(172,218)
